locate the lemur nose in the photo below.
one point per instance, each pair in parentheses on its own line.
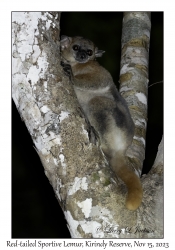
(83,55)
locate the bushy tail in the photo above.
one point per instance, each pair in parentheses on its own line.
(131,180)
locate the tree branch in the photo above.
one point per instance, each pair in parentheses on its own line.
(134,78)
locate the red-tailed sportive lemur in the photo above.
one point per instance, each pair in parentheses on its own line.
(104,107)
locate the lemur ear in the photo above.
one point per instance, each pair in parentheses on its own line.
(98,53)
(65,42)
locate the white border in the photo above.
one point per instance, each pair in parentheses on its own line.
(5,97)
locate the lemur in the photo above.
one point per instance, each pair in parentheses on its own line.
(104,107)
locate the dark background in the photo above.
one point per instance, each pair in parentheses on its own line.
(35,210)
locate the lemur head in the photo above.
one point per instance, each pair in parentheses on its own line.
(78,49)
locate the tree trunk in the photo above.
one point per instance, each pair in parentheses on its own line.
(92,201)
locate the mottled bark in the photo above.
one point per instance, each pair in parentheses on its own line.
(134,77)
(134,88)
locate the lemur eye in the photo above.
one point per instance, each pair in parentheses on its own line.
(89,52)
(75,47)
